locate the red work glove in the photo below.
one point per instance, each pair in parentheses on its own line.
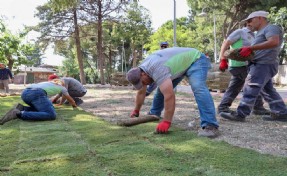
(54,101)
(135,113)
(223,65)
(163,126)
(245,51)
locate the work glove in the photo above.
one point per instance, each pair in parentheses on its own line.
(54,101)
(223,64)
(245,51)
(163,126)
(135,113)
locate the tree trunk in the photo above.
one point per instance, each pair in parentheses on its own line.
(134,54)
(10,62)
(79,51)
(99,44)
(109,66)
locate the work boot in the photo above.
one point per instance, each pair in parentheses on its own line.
(20,107)
(233,116)
(275,117)
(10,115)
(209,131)
(260,111)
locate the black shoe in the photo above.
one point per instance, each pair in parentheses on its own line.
(79,101)
(226,109)
(233,116)
(275,117)
(260,111)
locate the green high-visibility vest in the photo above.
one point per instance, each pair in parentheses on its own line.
(234,63)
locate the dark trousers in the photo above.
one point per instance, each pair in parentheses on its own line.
(235,86)
(259,81)
(75,93)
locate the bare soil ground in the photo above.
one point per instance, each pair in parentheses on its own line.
(115,103)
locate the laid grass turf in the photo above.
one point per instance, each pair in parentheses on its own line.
(78,143)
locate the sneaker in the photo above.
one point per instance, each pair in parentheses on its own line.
(233,116)
(209,131)
(150,114)
(275,117)
(260,111)
(20,107)
(10,115)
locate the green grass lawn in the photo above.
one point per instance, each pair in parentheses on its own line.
(78,143)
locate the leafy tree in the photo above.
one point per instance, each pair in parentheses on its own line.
(59,20)
(136,30)
(232,12)
(279,17)
(14,52)
(100,11)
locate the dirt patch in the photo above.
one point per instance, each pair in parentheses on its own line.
(115,103)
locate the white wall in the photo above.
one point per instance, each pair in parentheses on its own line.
(281,77)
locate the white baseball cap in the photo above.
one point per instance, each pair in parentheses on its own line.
(257,14)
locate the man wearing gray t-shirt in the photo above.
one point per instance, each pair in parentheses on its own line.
(74,87)
(167,68)
(262,68)
(238,69)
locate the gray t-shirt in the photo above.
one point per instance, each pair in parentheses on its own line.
(169,63)
(245,34)
(267,56)
(72,84)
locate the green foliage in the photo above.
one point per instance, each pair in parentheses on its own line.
(196,34)
(14,52)
(279,17)
(232,11)
(70,68)
(78,143)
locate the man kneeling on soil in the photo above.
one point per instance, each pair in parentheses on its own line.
(167,68)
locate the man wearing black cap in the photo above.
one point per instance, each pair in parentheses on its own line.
(262,68)
(167,68)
